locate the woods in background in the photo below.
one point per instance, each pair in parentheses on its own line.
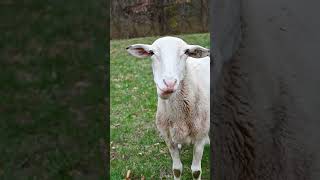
(138,18)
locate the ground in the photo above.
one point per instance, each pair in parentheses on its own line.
(135,142)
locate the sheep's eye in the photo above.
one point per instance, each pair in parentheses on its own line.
(151,52)
(187,52)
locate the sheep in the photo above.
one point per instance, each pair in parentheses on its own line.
(182,77)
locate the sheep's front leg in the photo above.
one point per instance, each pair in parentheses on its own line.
(176,162)
(196,161)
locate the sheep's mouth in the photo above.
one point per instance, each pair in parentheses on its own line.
(162,96)
(165,94)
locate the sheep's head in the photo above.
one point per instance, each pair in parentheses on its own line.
(169,55)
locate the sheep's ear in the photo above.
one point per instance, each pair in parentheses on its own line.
(197,51)
(140,50)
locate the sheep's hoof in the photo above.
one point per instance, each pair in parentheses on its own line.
(176,173)
(196,174)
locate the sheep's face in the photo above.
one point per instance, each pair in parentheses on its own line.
(169,55)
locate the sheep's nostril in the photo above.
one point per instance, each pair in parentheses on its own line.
(170,83)
(164,81)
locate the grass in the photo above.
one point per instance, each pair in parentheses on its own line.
(135,143)
(51,96)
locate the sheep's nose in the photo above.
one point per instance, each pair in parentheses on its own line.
(170,83)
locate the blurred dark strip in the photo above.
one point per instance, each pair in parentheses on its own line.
(53,92)
(265,92)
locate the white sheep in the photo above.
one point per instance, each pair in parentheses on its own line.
(182,77)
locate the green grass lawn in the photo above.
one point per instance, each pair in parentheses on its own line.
(135,142)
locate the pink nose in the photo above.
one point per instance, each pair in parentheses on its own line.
(170,83)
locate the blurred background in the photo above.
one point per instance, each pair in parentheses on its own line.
(140,18)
